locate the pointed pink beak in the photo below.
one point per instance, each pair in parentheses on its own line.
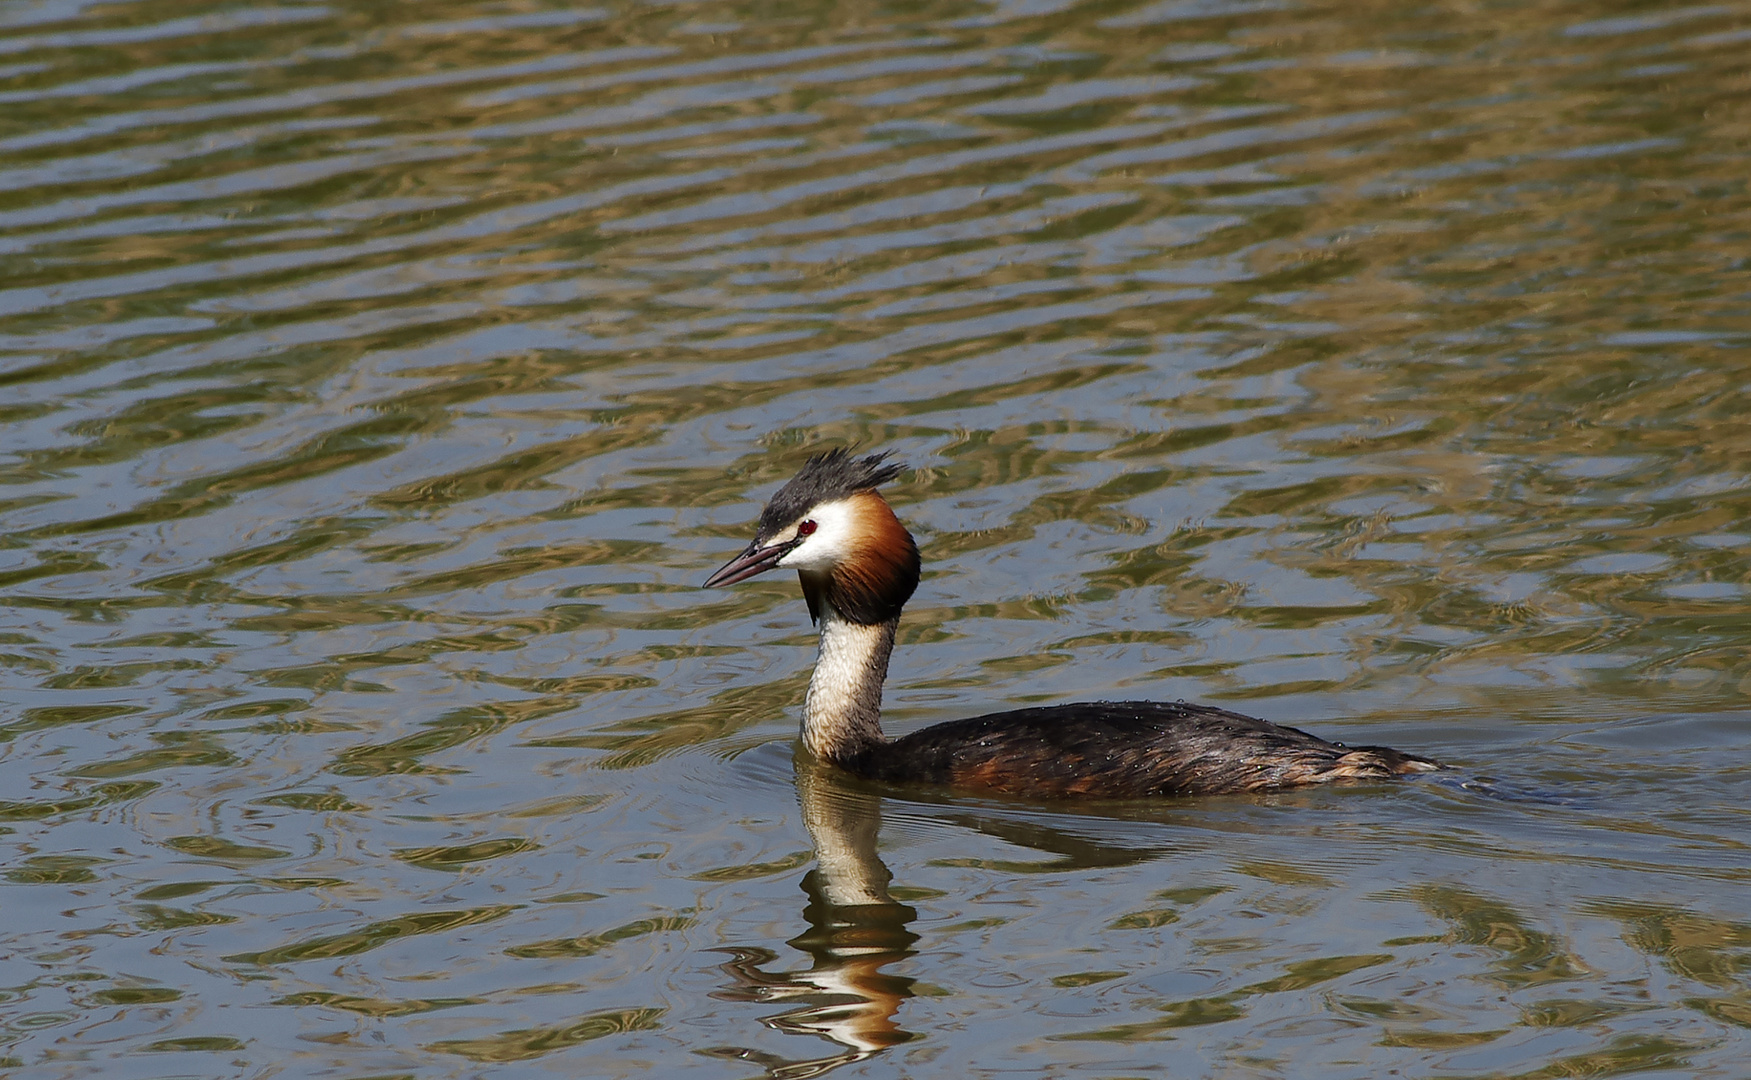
(756,560)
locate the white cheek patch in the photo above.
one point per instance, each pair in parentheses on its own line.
(831,542)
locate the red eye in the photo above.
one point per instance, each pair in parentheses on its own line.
(807,528)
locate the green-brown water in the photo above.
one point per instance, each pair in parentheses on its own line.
(382,380)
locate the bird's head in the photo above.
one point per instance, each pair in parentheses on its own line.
(831,526)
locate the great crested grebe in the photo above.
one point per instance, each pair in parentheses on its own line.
(858,566)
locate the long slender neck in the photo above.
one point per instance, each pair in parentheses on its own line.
(842,715)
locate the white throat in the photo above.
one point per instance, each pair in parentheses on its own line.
(842,715)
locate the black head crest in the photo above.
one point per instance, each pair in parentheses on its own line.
(826,477)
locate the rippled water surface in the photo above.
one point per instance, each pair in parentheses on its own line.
(381,381)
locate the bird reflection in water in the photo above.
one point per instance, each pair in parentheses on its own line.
(855,931)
